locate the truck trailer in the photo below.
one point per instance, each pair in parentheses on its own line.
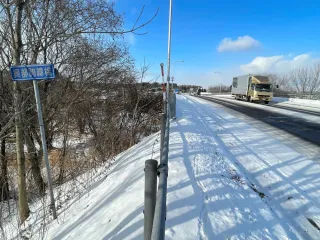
(252,88)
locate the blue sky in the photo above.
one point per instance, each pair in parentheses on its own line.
(231,37)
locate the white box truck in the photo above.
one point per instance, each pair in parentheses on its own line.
(252,88)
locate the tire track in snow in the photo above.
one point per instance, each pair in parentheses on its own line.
(204,230)
(211,164)
(233,210)
(203,218)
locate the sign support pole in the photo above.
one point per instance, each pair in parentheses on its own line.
(163,91)
(44,147)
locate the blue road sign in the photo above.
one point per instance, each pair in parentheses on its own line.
(32,72)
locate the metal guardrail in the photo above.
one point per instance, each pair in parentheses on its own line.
(155,202)
(305,96)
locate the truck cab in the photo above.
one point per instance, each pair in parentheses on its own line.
(260,89)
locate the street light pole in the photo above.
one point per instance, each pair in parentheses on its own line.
(159,224)
(220,80)
(169,48)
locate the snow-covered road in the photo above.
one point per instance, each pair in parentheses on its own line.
(227,180)
(302,125)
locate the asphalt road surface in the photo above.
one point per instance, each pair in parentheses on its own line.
(296,126)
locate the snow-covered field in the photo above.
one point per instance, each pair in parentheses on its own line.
(227,180)
(303,104)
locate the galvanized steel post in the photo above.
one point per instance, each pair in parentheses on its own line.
(158,227)
(44,147)
(150,193)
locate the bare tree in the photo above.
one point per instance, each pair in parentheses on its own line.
(216,89)
(5,129)
(314,82)
(15,27)
(83,39)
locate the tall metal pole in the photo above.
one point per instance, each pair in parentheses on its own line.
(158,228)
(44,147)
(169,50)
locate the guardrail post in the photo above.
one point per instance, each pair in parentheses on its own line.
(158,228)
(173,103)
(150,192)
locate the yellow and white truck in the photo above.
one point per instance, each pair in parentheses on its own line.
(252,88)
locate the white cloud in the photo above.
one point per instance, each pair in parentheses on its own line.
(276,63)
(260,64)
(240,44)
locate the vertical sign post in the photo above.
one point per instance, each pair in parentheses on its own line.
(163,90)
(34,73)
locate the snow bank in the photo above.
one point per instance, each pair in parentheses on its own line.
(114,209)
(205,93)
(305,102)
(295,102)
(280,99)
